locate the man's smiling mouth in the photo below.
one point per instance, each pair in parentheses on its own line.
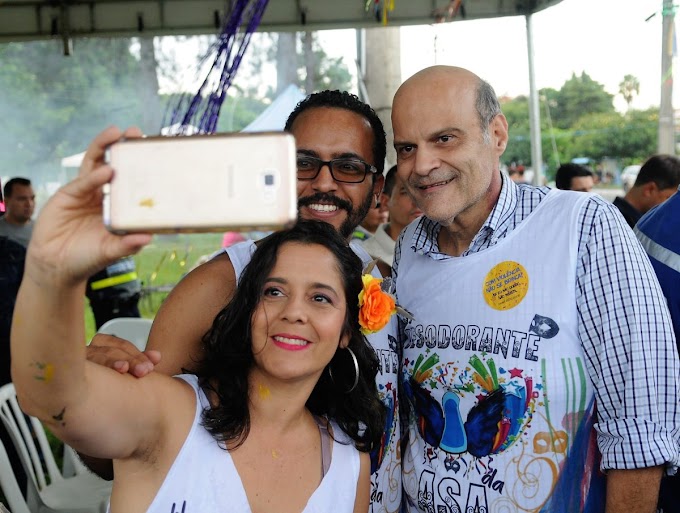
(319,207)
(436,184)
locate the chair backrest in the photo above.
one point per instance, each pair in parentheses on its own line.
(30,440)
(9,486)
(134,329)
(47,490)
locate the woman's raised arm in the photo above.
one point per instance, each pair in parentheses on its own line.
(77,400)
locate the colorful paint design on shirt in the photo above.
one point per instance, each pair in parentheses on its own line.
(386,458)
(493,431)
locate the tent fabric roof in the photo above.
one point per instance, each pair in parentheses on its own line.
(73,160)
(43,19)
(275,115)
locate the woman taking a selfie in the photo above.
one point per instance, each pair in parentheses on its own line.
(283,408)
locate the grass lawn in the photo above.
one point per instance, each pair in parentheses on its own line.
(161,264)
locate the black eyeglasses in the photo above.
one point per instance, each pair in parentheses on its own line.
(342,170)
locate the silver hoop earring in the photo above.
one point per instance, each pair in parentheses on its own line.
(356,371)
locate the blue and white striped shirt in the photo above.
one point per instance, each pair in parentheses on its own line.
(623,321)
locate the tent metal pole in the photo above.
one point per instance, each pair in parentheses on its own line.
(534,110)
(361,65)
(666,142)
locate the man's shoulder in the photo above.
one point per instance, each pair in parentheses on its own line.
(587,200)
(217,270)
(620,202)
(369,244)
(379,240)
(380,247)
(360,251)
(19,234)
(218,261)
(660,226)
(361,234)
(623,205)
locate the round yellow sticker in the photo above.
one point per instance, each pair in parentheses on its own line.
(506,285)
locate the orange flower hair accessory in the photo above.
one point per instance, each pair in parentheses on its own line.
(375,306)
(377,302)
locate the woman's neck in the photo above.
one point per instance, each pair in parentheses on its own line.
(278,405)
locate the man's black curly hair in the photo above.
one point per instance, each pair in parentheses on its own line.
(348,101)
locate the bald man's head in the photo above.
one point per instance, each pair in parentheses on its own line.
(449,134)
(438,79)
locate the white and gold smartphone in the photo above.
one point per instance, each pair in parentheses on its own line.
(201,183)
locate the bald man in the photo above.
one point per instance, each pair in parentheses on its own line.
(534,355)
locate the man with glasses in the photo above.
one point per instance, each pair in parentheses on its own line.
(340,155)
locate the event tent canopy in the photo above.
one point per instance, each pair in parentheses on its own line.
(68,19)
(42,19)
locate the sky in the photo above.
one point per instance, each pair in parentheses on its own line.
(607,39)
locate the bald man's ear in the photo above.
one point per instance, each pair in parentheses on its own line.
(499,132)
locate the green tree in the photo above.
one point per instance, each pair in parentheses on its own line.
(629,88)
(593,134)
(327,72)
(51,105)
(516,112)
(330,72)
(580,95)
(631,137)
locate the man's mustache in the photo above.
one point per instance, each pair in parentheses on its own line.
(323,197)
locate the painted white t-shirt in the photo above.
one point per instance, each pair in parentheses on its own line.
(501,407)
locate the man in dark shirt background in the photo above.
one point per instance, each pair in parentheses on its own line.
(657,181)
(12,258)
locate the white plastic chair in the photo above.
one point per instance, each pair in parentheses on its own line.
(9,486)
(48,490)
(134,329)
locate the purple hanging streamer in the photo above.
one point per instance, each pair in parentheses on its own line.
(202,109)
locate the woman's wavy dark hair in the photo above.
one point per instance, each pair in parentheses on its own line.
(229,357)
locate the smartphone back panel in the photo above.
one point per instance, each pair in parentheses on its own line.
(202,183)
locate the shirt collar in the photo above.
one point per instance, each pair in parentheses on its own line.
(502,212)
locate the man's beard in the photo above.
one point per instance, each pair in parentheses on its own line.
(354,217)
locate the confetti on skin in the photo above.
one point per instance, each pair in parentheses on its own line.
(263,391)
(47,372)
(275,454)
